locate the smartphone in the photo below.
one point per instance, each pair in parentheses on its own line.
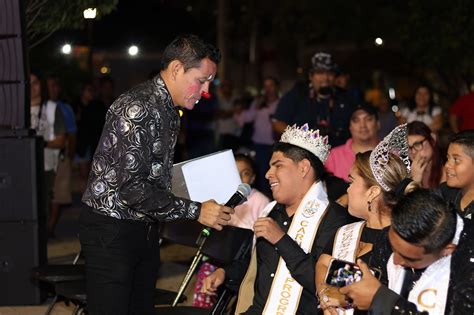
(342,273)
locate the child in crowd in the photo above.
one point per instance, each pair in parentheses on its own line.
(244,217)
(459,185)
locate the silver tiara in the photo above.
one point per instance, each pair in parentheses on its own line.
(396,143)
(308,139)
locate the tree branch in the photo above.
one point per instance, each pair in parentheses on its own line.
(42,39)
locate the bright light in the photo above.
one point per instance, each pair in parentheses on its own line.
(391,93)
(378,41)
(181,112)
(104,70)
(90,13)
(66,49)
(395,108)
(133,50)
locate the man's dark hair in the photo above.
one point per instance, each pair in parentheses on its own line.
(298,154)
(464,138)
(424,219)
(190,50)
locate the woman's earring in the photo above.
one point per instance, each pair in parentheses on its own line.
(369,204)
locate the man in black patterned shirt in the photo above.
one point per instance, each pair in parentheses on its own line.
(129,187)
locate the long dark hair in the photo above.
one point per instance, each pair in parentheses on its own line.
(431,103)
(437,161)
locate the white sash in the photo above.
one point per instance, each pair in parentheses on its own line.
(346,243)
(430,292)
(347,240)
(285,292)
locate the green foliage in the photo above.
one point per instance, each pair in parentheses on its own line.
(44,17)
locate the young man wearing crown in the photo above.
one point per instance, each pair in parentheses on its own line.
(291,234)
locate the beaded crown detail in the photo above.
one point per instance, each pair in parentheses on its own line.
(395,142)
(307,139)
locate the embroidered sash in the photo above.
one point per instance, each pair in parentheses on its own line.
(347,240)
(346,244)
(431,290)
(285,292)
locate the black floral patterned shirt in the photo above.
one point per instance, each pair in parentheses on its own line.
(131,171)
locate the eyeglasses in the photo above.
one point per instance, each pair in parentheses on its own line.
(417,146)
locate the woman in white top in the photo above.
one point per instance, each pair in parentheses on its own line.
(423,109)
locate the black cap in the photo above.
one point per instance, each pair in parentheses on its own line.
(369,109)
(322,61)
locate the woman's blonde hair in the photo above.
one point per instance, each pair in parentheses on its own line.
(395,172)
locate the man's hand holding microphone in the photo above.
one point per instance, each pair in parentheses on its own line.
(215,215)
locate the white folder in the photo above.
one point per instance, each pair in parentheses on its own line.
(214,176)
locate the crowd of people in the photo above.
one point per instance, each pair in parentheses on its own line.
(393,202)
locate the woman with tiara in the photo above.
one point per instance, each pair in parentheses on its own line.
(377,179)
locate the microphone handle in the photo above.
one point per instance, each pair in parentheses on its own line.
(233,202)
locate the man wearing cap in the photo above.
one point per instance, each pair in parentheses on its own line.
(316,103)
(364,126)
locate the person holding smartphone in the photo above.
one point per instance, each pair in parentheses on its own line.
(377,179)
(431,268)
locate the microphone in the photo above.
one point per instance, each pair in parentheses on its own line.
(240,196)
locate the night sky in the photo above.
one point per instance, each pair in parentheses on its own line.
(149,24)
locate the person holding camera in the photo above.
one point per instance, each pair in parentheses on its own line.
(316,103)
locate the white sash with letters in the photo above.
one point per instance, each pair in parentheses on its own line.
(285,292)
(347,240)
(346,244)
(430,292)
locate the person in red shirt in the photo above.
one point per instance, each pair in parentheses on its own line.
(461,113)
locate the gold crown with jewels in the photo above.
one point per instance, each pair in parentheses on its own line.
(307,139)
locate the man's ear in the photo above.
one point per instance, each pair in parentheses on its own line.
(175,67)
(305,167)
(448,250)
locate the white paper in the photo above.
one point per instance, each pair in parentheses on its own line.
(212,177)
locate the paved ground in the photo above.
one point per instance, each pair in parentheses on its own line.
(62,249)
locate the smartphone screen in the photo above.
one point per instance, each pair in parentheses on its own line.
(342,273)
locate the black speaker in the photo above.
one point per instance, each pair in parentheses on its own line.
(21,249)
(14,81)
(21,179)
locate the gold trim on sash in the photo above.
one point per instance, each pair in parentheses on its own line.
(303,230)
(314,199)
